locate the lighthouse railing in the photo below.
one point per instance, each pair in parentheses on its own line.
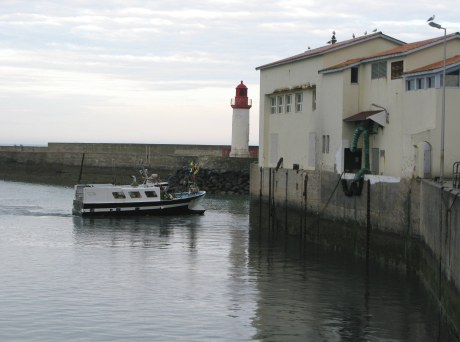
(233,102)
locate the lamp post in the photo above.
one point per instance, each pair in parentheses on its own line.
(443,108)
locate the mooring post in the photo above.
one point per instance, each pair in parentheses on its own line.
(260,196)
(368,227)
(273,201)
(269,198)
(286,205)
(81,168)
(305,198)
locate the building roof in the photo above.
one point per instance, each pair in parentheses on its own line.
(378,116)
(434,67)
(361,116)
(329,48)
(395,52)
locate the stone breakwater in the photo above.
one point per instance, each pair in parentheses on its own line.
(212,181)
(65,164)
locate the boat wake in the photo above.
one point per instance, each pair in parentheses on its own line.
(30,210)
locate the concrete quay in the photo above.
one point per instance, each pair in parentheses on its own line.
(410,224)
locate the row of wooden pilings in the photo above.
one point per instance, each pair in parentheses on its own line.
(313,216)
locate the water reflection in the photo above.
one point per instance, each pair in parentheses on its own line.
(144,232)
(306,293)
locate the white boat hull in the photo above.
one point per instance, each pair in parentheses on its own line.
(94,200)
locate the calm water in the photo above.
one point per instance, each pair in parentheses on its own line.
(191,278)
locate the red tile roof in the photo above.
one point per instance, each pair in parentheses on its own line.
(328,48)
(361,116)
(397,51)
(434,66)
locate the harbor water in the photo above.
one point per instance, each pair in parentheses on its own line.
(211,277)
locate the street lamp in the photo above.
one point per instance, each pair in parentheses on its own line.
(443,108)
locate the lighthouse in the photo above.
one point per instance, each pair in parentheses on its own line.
(240,122)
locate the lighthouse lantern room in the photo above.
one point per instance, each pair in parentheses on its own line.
(240,122)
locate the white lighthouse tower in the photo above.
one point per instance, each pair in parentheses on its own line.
(240,122)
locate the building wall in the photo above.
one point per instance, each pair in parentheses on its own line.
(414,116)
(386,93)
(296,132)
(329,125)
(291,128)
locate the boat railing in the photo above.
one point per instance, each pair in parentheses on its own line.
(193,187)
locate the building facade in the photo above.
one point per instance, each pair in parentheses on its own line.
(312,103)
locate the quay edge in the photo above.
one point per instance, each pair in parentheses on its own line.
(411,224)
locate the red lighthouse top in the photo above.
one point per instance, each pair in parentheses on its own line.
(241,98)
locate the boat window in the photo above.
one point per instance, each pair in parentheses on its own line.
(118,194)
(151,194)
(134,194)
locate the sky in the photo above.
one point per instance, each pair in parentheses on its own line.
(164,72)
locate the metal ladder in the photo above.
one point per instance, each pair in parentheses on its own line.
(456,175)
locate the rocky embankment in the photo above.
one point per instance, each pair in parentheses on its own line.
(213,181)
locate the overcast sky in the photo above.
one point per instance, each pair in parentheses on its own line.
(138,71)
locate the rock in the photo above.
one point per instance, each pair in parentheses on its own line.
(213,181)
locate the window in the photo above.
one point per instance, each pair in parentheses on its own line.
(118,194)
(420,83)
(273,105)
(452,79)
(313,100)
(354,75)
(134,194)
(430,82)
(410,85)
(151,194)
(379,70)
(298,102)
(280,102)
(396,69)
(289,103)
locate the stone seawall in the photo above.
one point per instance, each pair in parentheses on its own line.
(410,224)
(109,163)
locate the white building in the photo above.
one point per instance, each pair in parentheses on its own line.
(311,104)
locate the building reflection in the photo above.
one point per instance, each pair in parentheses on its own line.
(309,293)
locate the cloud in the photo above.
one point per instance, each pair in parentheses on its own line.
(105,61)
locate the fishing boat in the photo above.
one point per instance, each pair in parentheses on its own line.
(150,197)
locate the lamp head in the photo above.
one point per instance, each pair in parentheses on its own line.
(433,24)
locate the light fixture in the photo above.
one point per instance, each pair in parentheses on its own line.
(386,112)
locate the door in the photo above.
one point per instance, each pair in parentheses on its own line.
(352,160)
